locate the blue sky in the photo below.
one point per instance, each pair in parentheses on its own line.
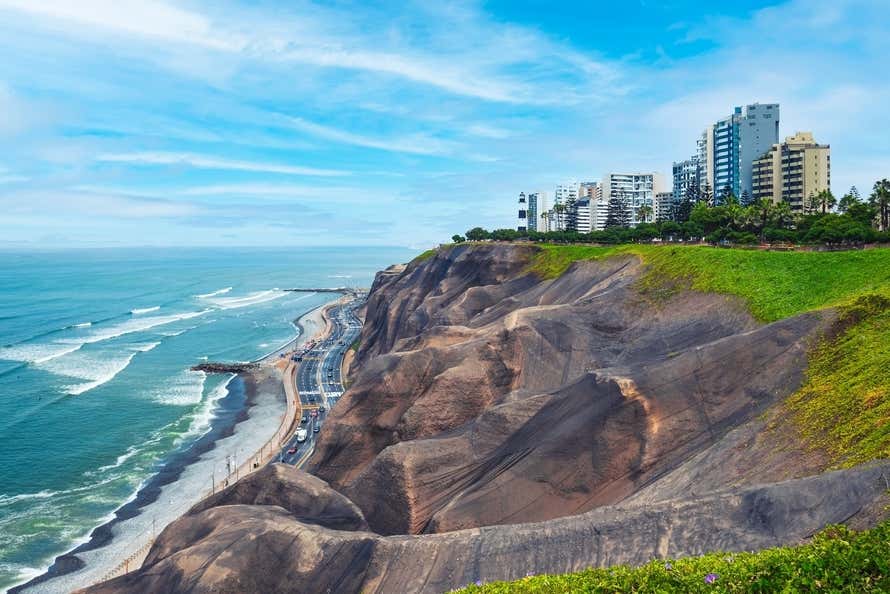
(167,122)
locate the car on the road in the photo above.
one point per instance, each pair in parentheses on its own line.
(316,429)
(292,451)
(302,434)
(313,414)
(321,409)
(304,420)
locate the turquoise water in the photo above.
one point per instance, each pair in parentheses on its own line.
(95,391)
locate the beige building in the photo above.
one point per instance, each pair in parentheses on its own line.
(794,171)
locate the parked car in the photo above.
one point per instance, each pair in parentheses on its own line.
(303,420)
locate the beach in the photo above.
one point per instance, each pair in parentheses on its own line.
(245,429)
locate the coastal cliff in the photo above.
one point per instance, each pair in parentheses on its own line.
(500,423)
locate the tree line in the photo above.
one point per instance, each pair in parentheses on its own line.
(826,220)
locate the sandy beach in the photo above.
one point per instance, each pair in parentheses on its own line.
(244,431)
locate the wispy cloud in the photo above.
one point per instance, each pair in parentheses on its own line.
(146,18)
(471,62)
(208,162)
(416,143)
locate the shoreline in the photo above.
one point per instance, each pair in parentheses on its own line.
(252,399)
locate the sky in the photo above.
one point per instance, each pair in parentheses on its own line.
(280,123)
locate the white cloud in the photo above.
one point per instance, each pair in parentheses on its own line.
(93,204)
(149,18)
(206,162)
(471,56)
(488,131)
(417,143)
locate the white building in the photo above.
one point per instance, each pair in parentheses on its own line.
(582,215)
(635,189)
(664,202)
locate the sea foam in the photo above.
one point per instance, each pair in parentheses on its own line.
(214,293)
(96,368)
(39,353)
(251,299)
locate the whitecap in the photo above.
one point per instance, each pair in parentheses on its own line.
(204,414)
(184,389)
(214,293)
(97,369)
(82,325)
(144,310)
(7,499)
(39,353)
(250,299)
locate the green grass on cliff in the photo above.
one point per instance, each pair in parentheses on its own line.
(424,256)
(774,285)
(836,560)
(843,408)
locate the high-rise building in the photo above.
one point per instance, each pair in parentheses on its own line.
(664,203)
(532,211)
(634,189)
(704,154)
(590,190)
(794,171)
(686,177)
(564,199)
(522,217)
(582,215)
(737,140)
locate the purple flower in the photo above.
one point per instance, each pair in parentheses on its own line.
(478,582)
(711,578)
(529,573)
(669,566)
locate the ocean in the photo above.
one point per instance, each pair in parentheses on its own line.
(95,388)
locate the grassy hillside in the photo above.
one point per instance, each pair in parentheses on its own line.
(837,560)
(843,408)
(775,285)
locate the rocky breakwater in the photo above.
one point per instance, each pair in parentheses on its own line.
(499,423)
(215,367)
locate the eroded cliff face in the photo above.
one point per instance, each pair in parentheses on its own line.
(485,396)
(498,424)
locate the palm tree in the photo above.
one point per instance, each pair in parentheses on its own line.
(825,200)
(558,210)
(763,210)
(880,200)
(643,213)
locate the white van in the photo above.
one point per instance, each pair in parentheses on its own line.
(301,435)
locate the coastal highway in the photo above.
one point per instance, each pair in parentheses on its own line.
(318,379)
